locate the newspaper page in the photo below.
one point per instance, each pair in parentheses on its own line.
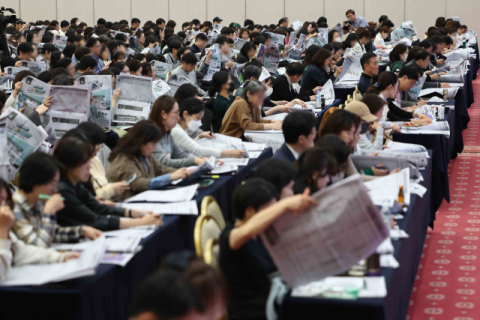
(347,62)
(338,27)
(12,71)
(35,67)
(239,43)
(175,81)
(323,36)
(101,106)
(384,191)
(59,40)
(415,90)
(277,39)
(366,162)
(271,59)
(65,121)
(70,99)
(34,89)
(439,127)
(159,88)
(329,238)
(130,111)
(161,69)
(262,49)
(451,92)
(328,92)
(135,88)
(215,62)
(24,137)
(271,138)
(4,163)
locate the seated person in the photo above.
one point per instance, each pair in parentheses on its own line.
(243,259)
(247,52)
(81,208)
(369,62)
(337,148)
(283,90)
(244,113)
(36,222)
(279,174)
(407,78)
(363,39)
(133,155)
(191,114)
(187,69)
(398,57)
(315,166)
(201,41)
(221,90)
(372,138)
(299,132)
(382,34)
(316,75)
(421,62)
(165,114)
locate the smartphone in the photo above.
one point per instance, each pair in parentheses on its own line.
(206,183)
(130,180)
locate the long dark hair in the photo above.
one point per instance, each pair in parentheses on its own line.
(386,79)
(311,51)
(163,103)
(397,51)
(340,120)
(141,133)
(313,160)
(72,152)
(218,80)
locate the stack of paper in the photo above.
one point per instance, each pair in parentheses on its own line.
(183,208)
(367,287)
(384,191)
(174,195)
(271,138)
(439,127)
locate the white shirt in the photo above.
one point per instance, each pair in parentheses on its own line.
(379,41)
(294,153)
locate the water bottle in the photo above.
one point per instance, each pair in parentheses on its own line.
(323,102)
(464,43)
(318,99)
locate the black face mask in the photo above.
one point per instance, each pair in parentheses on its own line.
(364,127)
(232,87)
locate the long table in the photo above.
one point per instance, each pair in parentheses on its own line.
(106,295)
(399,281)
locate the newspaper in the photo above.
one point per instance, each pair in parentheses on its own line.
(271,59)
(328,92)
(130,111)
(161,69)
(35,67)
(415,90)
(100,109)
(297,24)
(65,121)
(4,163)
(323,36)
(12,71)
(59,40)
(159,88)
(271,138)
(239,43)
(70,99)
(24,138)
(135,88)
(215,62)
(221,142)
(406,30)
(451,92)
(277,40)
(439,127)
(327,239)
(459,54)
(384,191)
(175,81)
(262,49)
(455,75)
(366,162)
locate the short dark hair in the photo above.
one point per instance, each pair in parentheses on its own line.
(37,169)
(253,193)
(192,106)
(101,21)
(248,22)
(227,30)
(72,152)
(382,18)
(410,72)
(186,90)
(388,23)
(201,36)
(277,172)
(63,63)
(45,76)
(425,44)
(86,62)
(297,124)
(349,11)
(421,55)
(94,133)
(135,20)
(366,58)
(189,58)
(251,71)
(25,47)
(64,24)
(62,79)
(159,21)
(295,69)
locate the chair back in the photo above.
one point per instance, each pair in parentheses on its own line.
(211,254)
(210,207)
(206,228)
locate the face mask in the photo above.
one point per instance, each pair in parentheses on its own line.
(194,125)
(268,92)
(453,38)
(338,39)
(364,128)
(232,87)
(339,176)
(404,59)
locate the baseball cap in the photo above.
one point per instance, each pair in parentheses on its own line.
(217,19)
(20,21)
(361,110)
(237,25)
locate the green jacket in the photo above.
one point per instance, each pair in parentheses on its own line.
(396,66)
(221,105)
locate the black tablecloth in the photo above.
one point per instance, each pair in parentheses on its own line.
(399,281)
(342,93)
(106,295)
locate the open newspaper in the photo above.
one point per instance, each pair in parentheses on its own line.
(406,30)
(455,75)
(328,92)
(239,43)
(60,41)
(271,138)
(101,106)
(451,92)
(4,163)
(161,69)
(415,90)
(418,158)
(459,54)
(175,81)
(159,88)
(215,62)
(366,162)
(271,59)
(277,40)
(323,36)
(327,239)
(384,191)
(439,127)
(35,67)
(12,71)
(135,99)
(23,138)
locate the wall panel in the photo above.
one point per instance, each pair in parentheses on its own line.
(335,10)
(111,10)
(304,10)
(265,11)
(423,13)
(33,10)
(149,10)
(187,10)
(81,9)
(14,4)
(467,10)
(395,10)
(229,11)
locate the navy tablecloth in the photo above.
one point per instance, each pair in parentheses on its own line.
(399,281)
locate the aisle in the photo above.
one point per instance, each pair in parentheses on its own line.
(447,286)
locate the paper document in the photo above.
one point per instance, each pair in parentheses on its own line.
(273,139)
(221,142)
(385,189)
(134,88)
(366,162)
(328,92)
(142,232)
(183,208)
(235,161)
(368,287)
(174,195)
(100,108)
(439,127)
(327,239)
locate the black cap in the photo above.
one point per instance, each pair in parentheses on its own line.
(20,21)
(217,19)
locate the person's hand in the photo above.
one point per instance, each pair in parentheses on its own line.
(106,65)
(422,122)
(313,98)
(316,89)
(54,204)
(191,38)
(179,174)
(235,153)
(373,154)
(279,102)
(385,147)
(395,171)
(409,124)
(380,172)
(199,161)
(116,94)
(435,77)
(338,71)
(120,187)
(442,73)
(393,223)
(277,125)
(6,220)
(287,47)
(41,109)
(281,109)
(375,125)
(18,64)
(444,85)
(107,202)
(91,233)
(206,134)
(300,202)
(429,72)
(18,86)
(209,57)
(71,255)
(395,127)
(151,219)
(420,116)
(300,102)
(141,213)
(332,64)
(440,62)
(421,103)
(229,65)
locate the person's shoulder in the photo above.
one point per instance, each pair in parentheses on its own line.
(224,239)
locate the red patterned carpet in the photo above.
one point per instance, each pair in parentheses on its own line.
(447,286)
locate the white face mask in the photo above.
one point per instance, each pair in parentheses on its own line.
(338,39)
(339,176)
(268,92)
(404,58)
(194,125)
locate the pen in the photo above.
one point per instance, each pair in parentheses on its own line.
(211,130)
(46,197)
(234,147)
(211,177)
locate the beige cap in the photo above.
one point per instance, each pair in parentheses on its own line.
(361,110)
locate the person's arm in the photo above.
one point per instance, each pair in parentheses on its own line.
(398,112)
(263,219)
(202,71)
(5,258)
(167,160)
(179,153)
(186,143)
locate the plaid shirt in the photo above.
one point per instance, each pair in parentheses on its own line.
(35,227)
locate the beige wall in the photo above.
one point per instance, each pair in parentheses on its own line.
(422,12)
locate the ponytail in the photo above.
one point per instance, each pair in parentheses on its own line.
(385,80)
